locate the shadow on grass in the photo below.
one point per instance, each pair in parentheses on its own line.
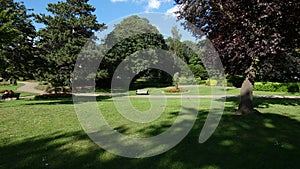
(265,102)
(267,141)
(54,101)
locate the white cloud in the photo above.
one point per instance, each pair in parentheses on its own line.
(149,4)
(172,11)
(155,4)
(118,0)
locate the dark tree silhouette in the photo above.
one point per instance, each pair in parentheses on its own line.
(251,36)
(16,43)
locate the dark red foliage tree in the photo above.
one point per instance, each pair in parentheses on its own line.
(254,38)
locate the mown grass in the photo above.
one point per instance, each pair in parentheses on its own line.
(46,134)
(207,90)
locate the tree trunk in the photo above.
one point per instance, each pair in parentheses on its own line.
(246,99)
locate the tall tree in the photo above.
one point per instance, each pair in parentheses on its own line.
(16,44)
(248,35)
(186,51)
(131,35)
(66,31)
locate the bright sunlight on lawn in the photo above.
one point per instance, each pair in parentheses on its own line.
(46,134)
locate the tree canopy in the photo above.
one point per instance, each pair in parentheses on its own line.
(256,39)
(17,39)
(250,33)
(186,51)
(131,35)
(66,31)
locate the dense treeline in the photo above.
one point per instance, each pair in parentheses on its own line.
(50,53)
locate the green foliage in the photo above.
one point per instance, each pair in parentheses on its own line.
(198,71)
(189,53)
(211,82)
(16,43)
(235,80)
(133,37)
(149,82)
(187,81)
(276,87)
(67,30)
(249,33)
(199,81)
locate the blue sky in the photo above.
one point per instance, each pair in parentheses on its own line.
(110,10)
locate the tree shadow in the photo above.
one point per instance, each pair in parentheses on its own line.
(268,141)
(266,102)
(55,101)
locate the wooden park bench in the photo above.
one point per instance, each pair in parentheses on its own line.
(142,92)
(11,95)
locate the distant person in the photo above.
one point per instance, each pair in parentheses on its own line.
(5,94)
(11,92)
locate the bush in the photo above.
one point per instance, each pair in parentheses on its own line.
(183,80)
(276,87)
(229,84)
(186,81)
(294,87)
(235,81)
(199,81)
(53,96)
(211,82)
(199,71)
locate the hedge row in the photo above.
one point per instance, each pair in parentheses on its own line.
(277,87)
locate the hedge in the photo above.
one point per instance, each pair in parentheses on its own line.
(277,87)
(211,82)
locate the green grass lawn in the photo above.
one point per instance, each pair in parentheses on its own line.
(46,134)
(207,90)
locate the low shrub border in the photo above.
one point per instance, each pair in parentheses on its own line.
(53,96)
(277,87)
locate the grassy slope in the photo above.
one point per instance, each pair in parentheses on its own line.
(47,134)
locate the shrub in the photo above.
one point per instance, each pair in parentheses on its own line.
(293,87)
(235,81)
(199,81)
(276,87)
(53,96)
(211,82)
(184,80)
(199,71)
(229,84)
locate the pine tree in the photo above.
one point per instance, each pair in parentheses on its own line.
(16,44)
(66,31)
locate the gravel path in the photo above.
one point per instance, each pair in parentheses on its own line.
(30,87)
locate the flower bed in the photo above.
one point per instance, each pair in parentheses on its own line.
(54,96)
(175,90)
